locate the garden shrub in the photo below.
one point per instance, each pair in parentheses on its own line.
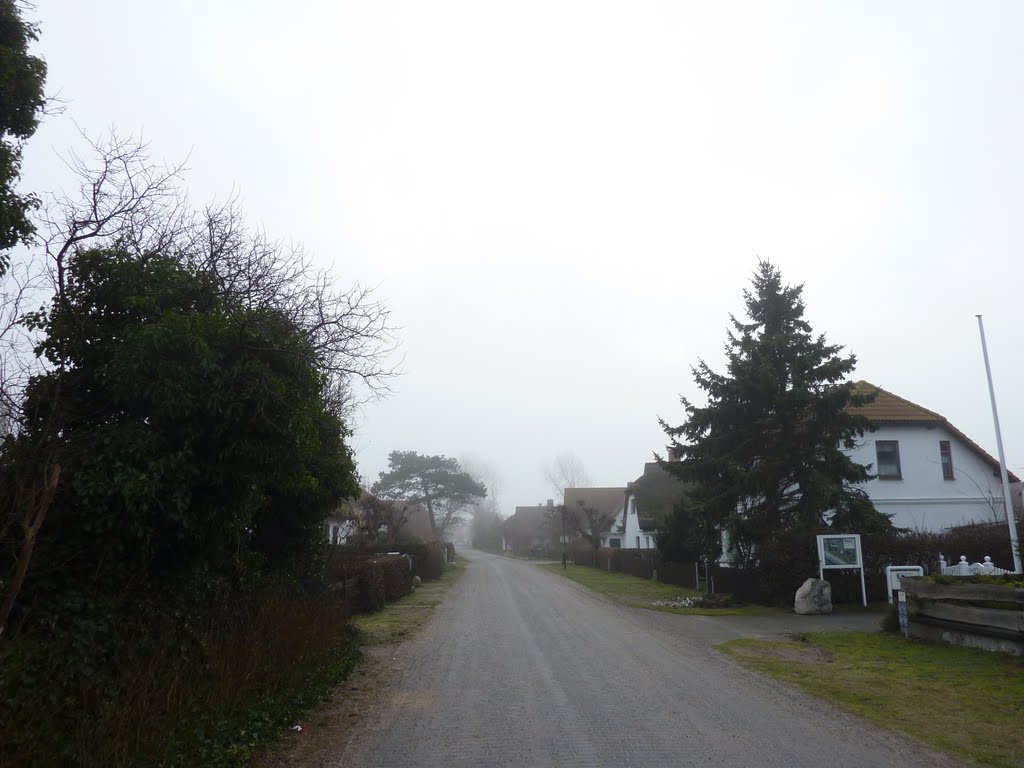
(178,678)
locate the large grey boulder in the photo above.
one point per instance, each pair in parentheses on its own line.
(813,597)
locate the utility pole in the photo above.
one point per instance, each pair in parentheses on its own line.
(563,537)
(1014,543)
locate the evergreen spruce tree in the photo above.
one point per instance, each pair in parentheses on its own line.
(765,453)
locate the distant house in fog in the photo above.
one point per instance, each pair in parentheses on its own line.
(405,521)
(649,499)
(930,475)
(526,531)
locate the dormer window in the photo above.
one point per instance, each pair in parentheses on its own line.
(946,457)
(888,455)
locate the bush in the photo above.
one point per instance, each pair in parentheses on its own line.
(787,561)
(427,557)
(365,582)
(179,679)
(431,565)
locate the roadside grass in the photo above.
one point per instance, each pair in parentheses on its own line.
(399,620)
(634,591)
(963,701)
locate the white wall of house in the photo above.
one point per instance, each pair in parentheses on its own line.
(615,532)
(628,533)
(921,499)
(337,530)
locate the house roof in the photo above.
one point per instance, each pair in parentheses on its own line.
(657,492)
(526,521)
(418,523)
(888,408)
(607,501)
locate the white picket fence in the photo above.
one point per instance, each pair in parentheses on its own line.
(963,568)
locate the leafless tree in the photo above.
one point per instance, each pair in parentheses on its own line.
(127,201)
(566,471)
(588,522)
(380,520)
(489,476)
(485,514)
(992,506)
(22,287)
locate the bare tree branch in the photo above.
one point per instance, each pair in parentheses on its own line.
(126,201)
(566,471)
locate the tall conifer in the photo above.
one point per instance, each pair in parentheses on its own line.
(766,452)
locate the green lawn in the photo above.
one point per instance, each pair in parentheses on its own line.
(963,701)
(398,620)
(632,590)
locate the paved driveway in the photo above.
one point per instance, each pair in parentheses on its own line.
(523,668)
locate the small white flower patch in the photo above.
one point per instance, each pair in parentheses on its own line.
(678,602)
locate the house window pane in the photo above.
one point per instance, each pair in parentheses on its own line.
(946,455)
(615,543)
(888,453)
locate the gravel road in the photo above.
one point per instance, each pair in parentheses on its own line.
(524,668)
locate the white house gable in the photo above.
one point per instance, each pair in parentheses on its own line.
(930,476)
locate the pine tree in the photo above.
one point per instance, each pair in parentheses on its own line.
(436,482)
(765,453)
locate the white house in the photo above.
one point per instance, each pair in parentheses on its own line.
(631,530)
(634,509)
(649,498)
(338,529)
(930,475)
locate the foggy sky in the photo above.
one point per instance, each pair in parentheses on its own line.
(562,202)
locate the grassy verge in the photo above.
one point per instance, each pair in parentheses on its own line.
(959,700)
(632,590)
(399,620)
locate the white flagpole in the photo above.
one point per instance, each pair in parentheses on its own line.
(1014,544)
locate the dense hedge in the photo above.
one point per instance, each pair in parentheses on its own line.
(167,679)
(195,674)
(428,558)
(787,562)
(365,582)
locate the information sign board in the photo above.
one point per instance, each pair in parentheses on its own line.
(841,550)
